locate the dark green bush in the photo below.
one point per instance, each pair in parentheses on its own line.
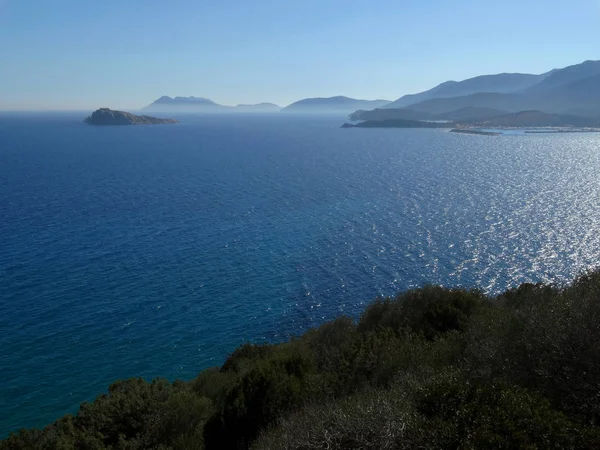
(214,384)
(545,341)
(133,415)
(270,387)
(245,355)
(431,311)
(369,420)
(498,416)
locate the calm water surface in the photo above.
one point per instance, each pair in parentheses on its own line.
(155,251)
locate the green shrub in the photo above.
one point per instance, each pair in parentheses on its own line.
(245,355)
(214,384)
(544,340)
(134,415)
(431,311)
(369,420)
(498,416)
(266,389)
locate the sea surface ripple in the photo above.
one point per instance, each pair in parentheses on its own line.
(155,251)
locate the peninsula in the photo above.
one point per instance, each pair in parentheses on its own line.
(106,116)
(398,123)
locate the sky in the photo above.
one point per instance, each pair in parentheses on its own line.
(86,54)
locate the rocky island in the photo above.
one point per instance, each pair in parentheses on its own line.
(106,116)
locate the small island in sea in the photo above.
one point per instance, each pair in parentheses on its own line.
(106,116)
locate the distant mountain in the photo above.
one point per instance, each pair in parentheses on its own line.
(501,84)
(573,90)
(106,116)
(260,107)
(568,75)
(337,104)
(199,104)
(184,104)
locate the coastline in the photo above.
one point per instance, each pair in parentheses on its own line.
(473,131)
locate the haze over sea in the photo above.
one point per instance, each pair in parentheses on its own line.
(156,250)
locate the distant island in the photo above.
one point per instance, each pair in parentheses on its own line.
(205,105)
(259,107)
(106,116)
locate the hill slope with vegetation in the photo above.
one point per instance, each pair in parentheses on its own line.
(431,368)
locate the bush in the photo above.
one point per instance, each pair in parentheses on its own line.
(133,415)
(431,311)
(369,420)
(266,389)
(544,340)
(498,416)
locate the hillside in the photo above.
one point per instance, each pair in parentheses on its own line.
(433,368)
(339,104)
(581,97)
(471,114)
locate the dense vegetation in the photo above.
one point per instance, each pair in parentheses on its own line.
(431,368)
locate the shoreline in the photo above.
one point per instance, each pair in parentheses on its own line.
(473,131)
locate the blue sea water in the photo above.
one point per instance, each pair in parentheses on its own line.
(155,251)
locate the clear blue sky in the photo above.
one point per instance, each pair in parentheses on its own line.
(81,54)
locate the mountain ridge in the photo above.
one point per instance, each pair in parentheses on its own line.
(573,90)
(201,104)
(338,103)
(497,83)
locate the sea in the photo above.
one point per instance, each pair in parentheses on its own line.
(155,251)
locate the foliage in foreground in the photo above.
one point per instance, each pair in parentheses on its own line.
(431,368)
